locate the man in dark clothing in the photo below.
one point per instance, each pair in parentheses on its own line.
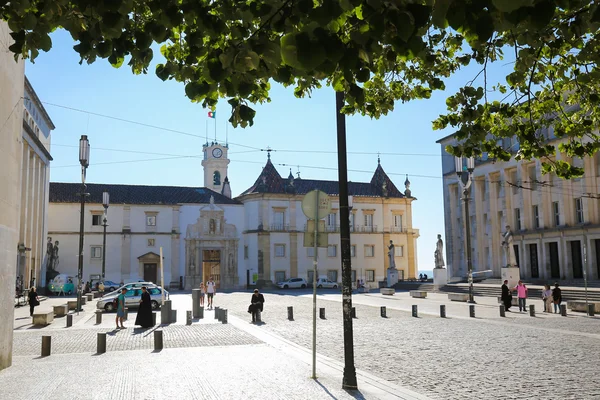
(256,304)
(506,296)
(557,297)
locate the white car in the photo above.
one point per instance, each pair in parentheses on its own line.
(326,283)
(292,283)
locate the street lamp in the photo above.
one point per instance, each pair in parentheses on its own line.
(105,203)
(84,160)
(466,186)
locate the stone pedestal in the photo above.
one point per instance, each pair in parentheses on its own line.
(392,277)
(196,303)
(165,312)
(512,274)
(440,277)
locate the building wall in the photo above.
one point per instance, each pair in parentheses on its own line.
(11,106)
(508,193)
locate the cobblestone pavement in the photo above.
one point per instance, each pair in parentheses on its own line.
(75,340)
(454,358)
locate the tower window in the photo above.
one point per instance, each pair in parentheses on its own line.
(216,178)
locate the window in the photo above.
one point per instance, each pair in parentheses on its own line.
(278,220)
(150,220)
(280,250)
(332,275)
(398,222)
(279,276)
(246,252)
(332,221)
(154,291)
(310,276)
(310,252)
(556,211)
(536,217)
(518,219)
(579,210)
(96,252)
(399,251)
(351,222)
(369,250)
(332,250)
(370,275)
(514,182)
(216,178)
(96,219)
(151,242)
(353,251)
(532,177)
(353,276)
(368,219)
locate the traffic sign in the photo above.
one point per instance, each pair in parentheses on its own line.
(309,203)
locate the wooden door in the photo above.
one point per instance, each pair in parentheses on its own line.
(151,273)
(554,267)
(577,260)
(533,260)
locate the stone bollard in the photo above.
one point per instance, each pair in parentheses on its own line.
(353,312)
(563,310)
(46,345)
(224,316)
(217,312)
(258,320)
(101,345)
(188,317)
(153,319)
(471,311)
(322,313)
(531,310)
(201,312)
(126,310)
(98,317)
(158,340)
(415,311)
(89,296)
(173,316)
(383,312)
(165,312)
(442,311)
(196,303)
(290,313)
(69,320)
(591,311)
(502,310)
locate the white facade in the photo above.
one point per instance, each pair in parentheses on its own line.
(555,222)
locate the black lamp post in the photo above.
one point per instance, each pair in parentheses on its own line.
(105,203)
(84,160)
(466,186)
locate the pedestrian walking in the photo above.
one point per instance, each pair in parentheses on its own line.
(202,293)
(522,295)
(556,297)
(506,296)
(256,304)
(121,308)
(33,300)
(144,315)
(211,291)
(547,298)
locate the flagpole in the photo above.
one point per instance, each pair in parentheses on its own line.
(206,132)
(226,134)
(215,126)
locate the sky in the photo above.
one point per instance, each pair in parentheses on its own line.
(301,132)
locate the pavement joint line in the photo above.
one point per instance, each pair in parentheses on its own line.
(391,390)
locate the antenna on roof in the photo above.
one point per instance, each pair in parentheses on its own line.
(378,159)
(268,150)
(298,173)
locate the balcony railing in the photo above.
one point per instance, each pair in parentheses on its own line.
(280,228)
(396,229)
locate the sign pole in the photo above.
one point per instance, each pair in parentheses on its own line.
(162,279)
(316,250)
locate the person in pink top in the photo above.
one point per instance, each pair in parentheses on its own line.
(522,295)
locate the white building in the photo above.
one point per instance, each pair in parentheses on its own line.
(204,232)
(555,223)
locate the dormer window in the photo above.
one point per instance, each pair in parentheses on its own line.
(217,178)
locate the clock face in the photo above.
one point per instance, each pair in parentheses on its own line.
(217,153)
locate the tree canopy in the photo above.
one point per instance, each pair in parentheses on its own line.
(375,51)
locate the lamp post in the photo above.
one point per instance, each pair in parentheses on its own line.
(466,186)
(84,160)
(105,203)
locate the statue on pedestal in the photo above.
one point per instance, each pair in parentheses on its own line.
(392,255)
(439,253)
(509,250)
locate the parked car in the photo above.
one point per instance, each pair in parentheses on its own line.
(132,285)
(292,283)
(132,298)
(326,283)
(109,286)
(62,283)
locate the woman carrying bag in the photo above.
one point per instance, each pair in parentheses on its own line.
(33,300)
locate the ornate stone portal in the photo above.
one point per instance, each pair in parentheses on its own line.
(211,249)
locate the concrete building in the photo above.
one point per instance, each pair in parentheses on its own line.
(204,232)
(555,223)
(11,106)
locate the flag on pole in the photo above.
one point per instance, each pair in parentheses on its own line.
(212,114)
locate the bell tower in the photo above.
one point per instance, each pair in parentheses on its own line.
(215,164)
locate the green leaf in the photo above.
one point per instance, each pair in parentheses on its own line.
(246,61)
(508,6)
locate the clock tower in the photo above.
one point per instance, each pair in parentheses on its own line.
(215,166)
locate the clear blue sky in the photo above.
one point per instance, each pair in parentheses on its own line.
(301,126)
